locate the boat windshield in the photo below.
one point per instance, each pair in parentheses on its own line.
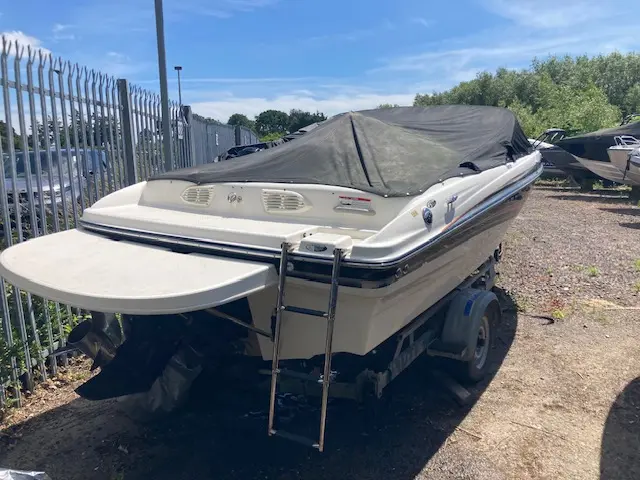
(47,163)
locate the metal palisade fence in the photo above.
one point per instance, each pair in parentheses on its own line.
(68,137)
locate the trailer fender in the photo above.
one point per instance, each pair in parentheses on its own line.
(463,319)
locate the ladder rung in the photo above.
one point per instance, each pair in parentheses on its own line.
(300,375)
(305,311)
(296,438)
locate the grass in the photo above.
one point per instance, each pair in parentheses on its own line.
(602,318)
(636,264)
(593,271)
(557,308)
(636,287)
(522,304)
(553,182)
(598,185)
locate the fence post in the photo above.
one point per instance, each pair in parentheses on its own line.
(238,133)
(191,146)
(130,161)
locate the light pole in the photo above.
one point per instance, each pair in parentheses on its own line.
(178,69)
(164,90)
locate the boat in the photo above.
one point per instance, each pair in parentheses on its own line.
(557,161)
(591,149)
(302,131)
(625,155)
(242,150)
(379,214)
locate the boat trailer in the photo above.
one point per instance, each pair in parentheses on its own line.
(472,310)
(458,327)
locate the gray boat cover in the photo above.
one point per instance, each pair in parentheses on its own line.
(388,152)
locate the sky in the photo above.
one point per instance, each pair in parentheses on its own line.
(247,56)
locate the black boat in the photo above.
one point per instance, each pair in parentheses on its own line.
(558,162)
(590,149)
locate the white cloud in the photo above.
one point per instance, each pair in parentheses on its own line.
(455,59)
(422,21)
(515,45)
(251,106)
(549,14)
(61,32)
(216,8)
(355,35)
(239,80)
(119,64)
(23,40)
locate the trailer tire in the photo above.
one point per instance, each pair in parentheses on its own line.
(475,369)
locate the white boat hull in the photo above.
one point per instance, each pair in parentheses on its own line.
(630,170)
(606,170)
(367,317)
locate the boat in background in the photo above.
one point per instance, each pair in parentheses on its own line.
(625,155)
(591,149)
(558,162)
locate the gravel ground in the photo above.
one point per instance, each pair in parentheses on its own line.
(564,401)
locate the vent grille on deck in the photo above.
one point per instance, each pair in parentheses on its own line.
(282,201)
(198,195)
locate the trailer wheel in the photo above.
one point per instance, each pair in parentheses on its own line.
(477,367)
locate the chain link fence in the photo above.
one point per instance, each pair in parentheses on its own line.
(68,137)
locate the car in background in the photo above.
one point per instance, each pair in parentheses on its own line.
(56,180)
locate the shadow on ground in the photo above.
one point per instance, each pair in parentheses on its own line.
(633,212)
(635,226)
(589,197)
(222,434)
(620,450)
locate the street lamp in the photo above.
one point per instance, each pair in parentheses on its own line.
(178,69)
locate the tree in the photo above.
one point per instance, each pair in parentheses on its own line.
(632,100)
(241,120)
(299,119)
(4,135)
(579,94)
(388,105)
(270,137)
(272,121)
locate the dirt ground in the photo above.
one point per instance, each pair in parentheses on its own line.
(564,401)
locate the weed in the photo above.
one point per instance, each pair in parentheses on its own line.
(593,271)
(598,185)
(637,265)
(549,271)
(552,182)
(603,319)
(557,308)
(636,287)
(522,304)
